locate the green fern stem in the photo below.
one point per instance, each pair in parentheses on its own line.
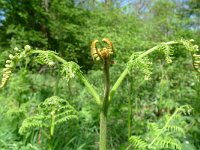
(84,80)
(129,117)
(90,88)
(129,123)
(103,131)
(106,85)
(52,129)
(56,86)
(105,105)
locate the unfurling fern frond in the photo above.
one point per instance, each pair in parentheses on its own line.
(46,57)
(166,136)
(143,65)
(63,111)
(193,49)
(103,53)
(12,62)
(196,62)
(94,52)
(188,44)
(54,106)
(110,45)
(168,52)
(69,70)
(38,121)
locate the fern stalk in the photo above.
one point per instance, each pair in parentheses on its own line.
(52,130)
(129,123)
(56,87)
(84,80)
(104,109)
(103,131)
(129,117)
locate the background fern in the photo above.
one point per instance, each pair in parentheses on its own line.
(50,113)
(166,133)
(61,108)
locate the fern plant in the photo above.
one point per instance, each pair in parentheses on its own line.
(164,133)
(70,69)
(50,113)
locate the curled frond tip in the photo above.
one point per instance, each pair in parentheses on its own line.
(103,53)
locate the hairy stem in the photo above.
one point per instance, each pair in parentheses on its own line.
(103,131)
(104,109)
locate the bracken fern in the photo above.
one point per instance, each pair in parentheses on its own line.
(166,136)
(54,106)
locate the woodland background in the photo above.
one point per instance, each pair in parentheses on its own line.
(68,27)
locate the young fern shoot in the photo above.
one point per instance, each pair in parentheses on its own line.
(103,54)
(50,113)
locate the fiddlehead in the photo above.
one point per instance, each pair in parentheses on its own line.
(103,53)
(12,62)
(46,57)
(196,62)
(94,52)
(188,44)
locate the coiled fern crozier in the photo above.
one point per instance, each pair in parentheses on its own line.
(12,62)
(71,69)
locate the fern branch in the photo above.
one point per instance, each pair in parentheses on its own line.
(125,72)
(79,74)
